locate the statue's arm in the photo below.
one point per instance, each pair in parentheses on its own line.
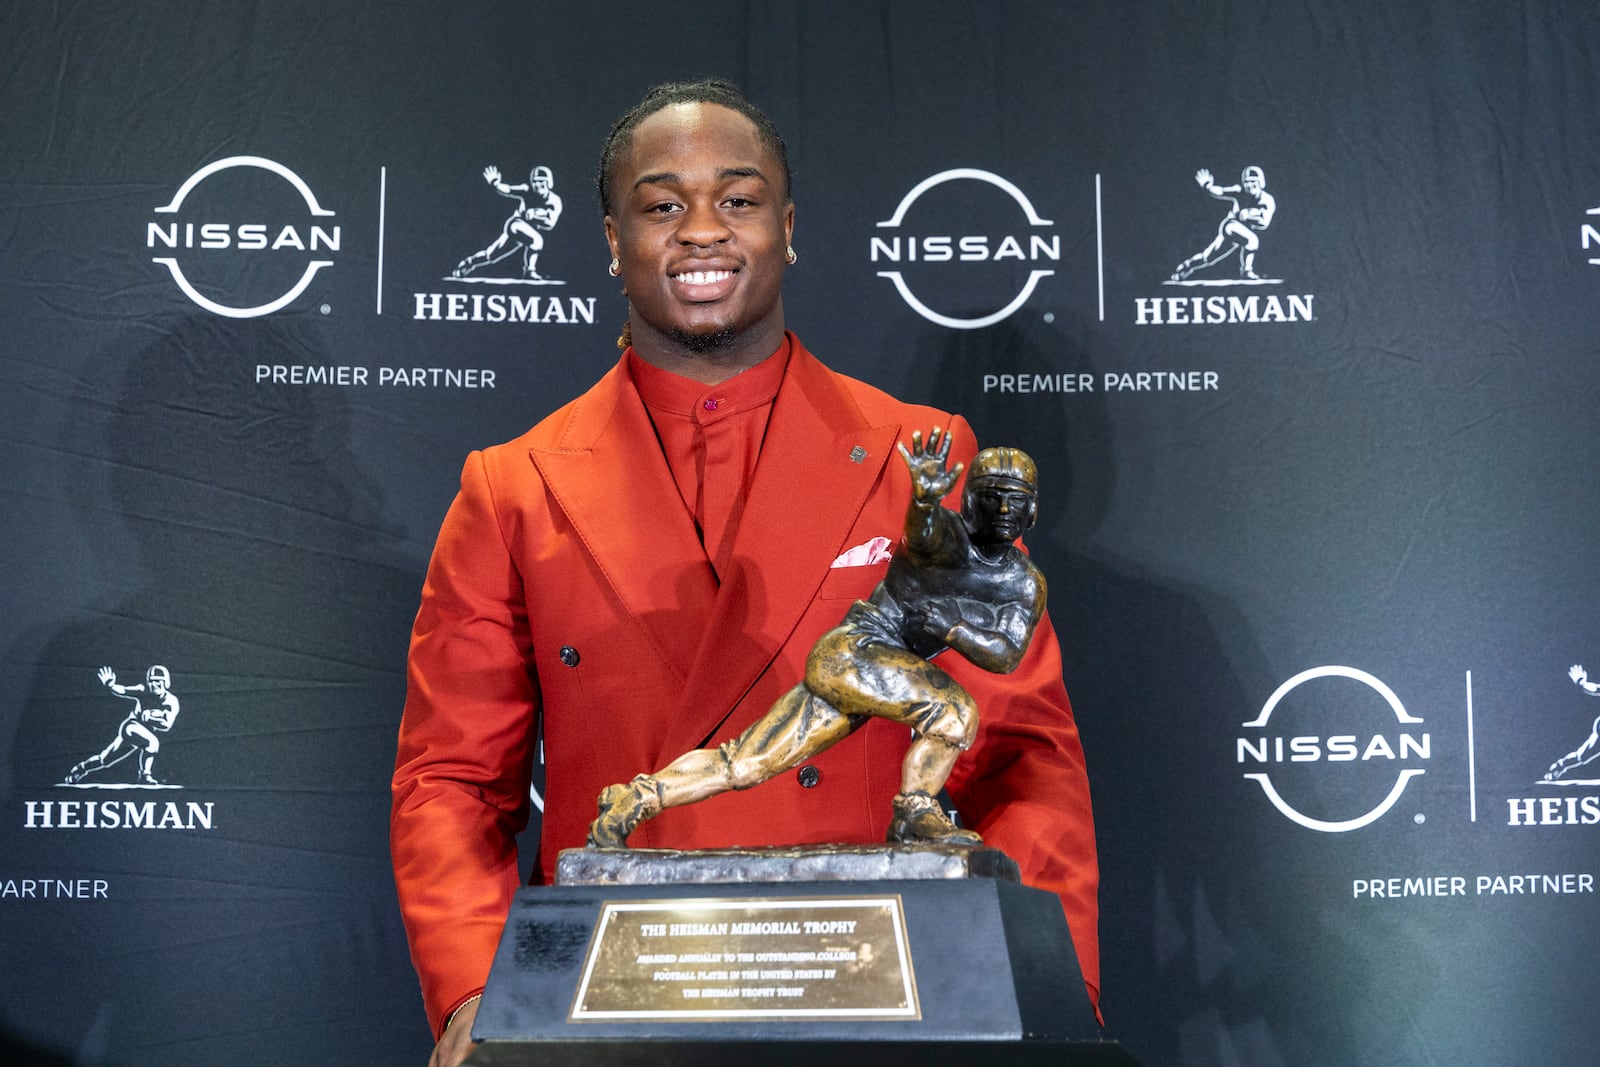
(933,533)
(999,648)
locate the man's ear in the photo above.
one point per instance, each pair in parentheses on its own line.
(611,236)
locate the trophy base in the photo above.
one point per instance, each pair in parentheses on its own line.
(825,955)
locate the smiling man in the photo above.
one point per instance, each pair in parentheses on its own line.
(645,572)
(699,220)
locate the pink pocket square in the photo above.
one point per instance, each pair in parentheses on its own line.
(876,550)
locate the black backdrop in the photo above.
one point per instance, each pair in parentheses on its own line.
(1362,482)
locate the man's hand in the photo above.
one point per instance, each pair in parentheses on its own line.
(1202,177)
(930,482)
(1577,674)
(108,677)
(456,1043)
(491,174)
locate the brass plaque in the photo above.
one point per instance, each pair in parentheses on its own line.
(737,958)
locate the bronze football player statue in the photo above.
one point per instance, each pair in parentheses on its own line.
(957,581)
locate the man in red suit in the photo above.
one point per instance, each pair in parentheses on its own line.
(645,571)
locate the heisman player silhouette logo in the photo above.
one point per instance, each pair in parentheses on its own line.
(536,214)
(1586,752)
(1239,231)
(154,709)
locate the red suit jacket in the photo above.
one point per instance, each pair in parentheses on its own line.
(568,582)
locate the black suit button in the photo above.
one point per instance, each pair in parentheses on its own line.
(569,655)
(809,776)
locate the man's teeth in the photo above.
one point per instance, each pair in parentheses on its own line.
(704,277)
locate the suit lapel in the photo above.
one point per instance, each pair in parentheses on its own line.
(610,479)
(819,462)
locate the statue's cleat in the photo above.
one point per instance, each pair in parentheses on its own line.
(918,820)
(622,809)
(77,774)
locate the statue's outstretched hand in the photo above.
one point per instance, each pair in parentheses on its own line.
(930,481)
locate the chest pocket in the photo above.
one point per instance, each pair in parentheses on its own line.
(852,583)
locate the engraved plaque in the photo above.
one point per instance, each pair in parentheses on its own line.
(748,958)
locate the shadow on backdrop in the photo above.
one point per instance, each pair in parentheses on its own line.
(236,542)
(1156,669)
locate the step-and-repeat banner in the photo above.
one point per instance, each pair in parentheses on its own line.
(1294,302)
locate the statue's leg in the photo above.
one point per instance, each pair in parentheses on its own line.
(927,765)
(622,808)
(919,820)
(798,726)
(864,677)
(945,730)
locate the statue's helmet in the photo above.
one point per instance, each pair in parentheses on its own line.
(1007,468)
(541,174)
(1253,173)
(158,675)
(1005,465)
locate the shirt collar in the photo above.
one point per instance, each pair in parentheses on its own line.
(674,394)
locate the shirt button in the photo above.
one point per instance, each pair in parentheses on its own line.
(569,655)
(809,776)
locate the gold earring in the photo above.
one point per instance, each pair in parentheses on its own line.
(791,257)
(615,270)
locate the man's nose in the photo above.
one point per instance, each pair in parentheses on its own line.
(702,225)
